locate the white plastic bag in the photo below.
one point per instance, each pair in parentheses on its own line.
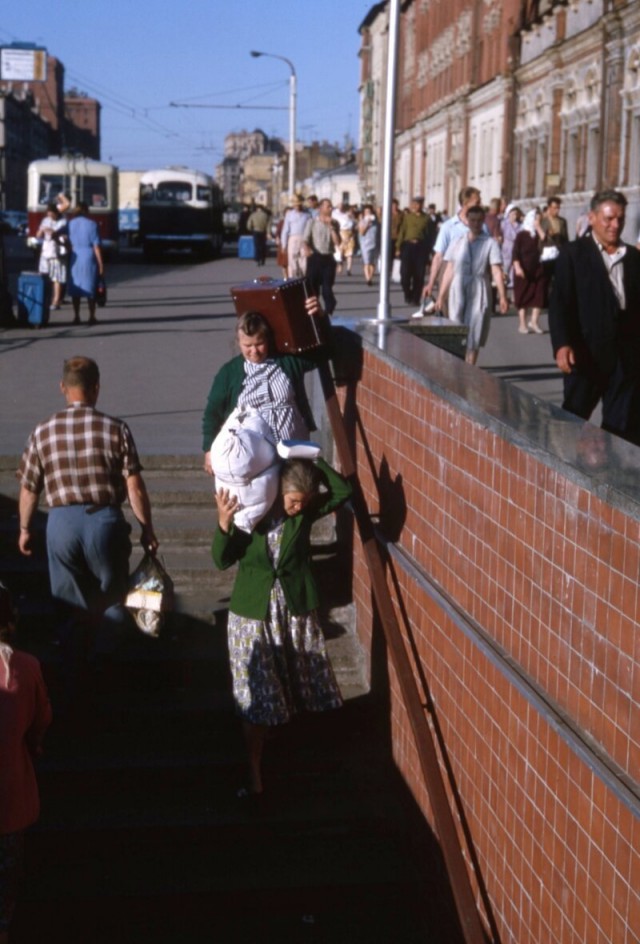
(395,271)
(244,461)
(150,595)
(244,447)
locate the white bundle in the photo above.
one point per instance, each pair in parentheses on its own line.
(244,461)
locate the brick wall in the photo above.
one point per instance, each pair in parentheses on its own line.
(514,537)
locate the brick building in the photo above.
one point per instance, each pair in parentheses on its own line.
(577,122)
(24,136)
(521,99)
(45,121)
(82,125)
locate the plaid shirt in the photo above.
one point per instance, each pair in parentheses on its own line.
(80,457)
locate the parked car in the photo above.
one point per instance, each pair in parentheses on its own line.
(13,221)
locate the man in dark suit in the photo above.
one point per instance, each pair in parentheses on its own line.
(594,318)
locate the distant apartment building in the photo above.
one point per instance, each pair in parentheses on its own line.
(243,144)
(240,177)
(81,128)
(24,136)
(228,173)
(255,167)
(340,184)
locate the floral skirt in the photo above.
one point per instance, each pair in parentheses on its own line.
(280,665)
(11,868)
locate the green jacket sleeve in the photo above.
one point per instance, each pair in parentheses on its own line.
(228,548)
(339,490)
(222,398)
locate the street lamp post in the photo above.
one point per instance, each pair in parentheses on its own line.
(292,117)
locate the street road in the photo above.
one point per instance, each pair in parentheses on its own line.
(167,329)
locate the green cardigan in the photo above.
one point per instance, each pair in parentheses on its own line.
(256,574)
(227,384)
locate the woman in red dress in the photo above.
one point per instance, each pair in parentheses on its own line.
(530,281)
(25,714)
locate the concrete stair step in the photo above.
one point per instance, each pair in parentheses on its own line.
(329,914)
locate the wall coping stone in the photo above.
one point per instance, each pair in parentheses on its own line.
(599,462)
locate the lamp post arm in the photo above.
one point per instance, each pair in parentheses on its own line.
(293,92)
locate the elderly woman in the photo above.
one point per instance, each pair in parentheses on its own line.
(271,383)
(277,652)
(511,225)
(25,715)
(530,281)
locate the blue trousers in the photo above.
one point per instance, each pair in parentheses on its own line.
(88,553)
(88,550)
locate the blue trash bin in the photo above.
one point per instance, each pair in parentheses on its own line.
(246,247)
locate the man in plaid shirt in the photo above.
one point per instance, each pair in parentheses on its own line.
(87,465)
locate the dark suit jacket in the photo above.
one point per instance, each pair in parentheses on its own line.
(584,313)
(256,574)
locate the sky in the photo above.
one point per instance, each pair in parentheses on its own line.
(137,57)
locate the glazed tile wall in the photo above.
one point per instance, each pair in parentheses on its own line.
(550,572)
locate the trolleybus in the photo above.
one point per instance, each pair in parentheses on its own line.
(180,208)
(81,180)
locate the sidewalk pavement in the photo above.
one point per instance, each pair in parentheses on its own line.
(166,331)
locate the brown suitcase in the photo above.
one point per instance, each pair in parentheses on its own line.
(282,304)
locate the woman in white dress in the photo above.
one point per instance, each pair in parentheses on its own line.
(471,263)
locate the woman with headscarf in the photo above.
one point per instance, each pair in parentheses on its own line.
(530,281)
(510,226)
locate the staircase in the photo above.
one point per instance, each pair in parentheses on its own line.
(141,837)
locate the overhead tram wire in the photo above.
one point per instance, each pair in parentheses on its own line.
(193,103)
(250,107)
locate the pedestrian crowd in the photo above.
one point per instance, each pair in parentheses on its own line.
(487,258)
(86,464)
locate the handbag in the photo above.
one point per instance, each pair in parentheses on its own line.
(101,292)
(549,253)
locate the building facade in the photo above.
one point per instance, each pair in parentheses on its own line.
(82,125)
(520,98)
(577,123)
(38,119)
(24,136)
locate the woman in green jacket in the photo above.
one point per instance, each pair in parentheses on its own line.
(279,662)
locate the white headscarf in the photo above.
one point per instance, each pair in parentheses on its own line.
(529,221)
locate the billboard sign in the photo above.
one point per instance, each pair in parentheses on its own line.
(20,64)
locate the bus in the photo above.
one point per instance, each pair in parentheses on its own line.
(83,181)
(180,208)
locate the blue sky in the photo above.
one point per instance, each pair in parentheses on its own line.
(138,56)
